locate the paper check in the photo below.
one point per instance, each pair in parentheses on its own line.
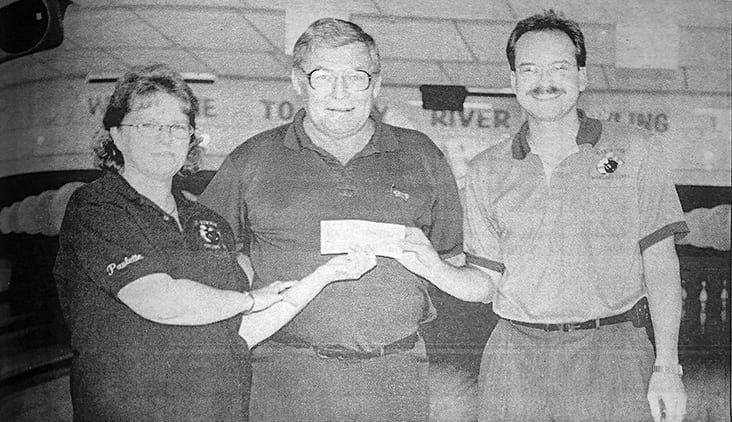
(337,235)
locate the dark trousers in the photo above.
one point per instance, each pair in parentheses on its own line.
(294,384)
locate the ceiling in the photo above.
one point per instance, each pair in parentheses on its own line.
(421,41)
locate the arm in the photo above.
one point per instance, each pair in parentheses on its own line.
(256,327)
(661,221)
(661,269)
(463,282)
(162,299)
(420,254)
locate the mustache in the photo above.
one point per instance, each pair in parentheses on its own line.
(541,90)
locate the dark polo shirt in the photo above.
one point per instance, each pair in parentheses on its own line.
(126,367)
(570,249)
(275,188)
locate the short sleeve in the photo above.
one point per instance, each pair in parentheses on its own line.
(481,228)
(660,211)
(446,233)
(225,197)
(107,245)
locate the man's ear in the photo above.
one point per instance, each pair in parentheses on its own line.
(377,85)
(513,81)
(296,82)
(582,79)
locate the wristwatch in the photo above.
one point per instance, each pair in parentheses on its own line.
(669,369)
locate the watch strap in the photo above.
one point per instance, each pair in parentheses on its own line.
(669,369)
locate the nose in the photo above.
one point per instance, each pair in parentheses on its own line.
(339,88)
(545,76)
(165,135)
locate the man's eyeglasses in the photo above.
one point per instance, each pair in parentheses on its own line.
(323,81)
(555,69)
(178,131)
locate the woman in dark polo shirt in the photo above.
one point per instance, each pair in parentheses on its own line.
(149,281)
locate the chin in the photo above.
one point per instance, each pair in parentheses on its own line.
(164,170)
(551,115)
(160,174)
(343,130)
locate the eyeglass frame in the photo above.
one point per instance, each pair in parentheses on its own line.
(558,68)
(310,83)
(191,129)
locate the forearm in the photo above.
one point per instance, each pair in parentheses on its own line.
(463,282)
(162,299)
(259,326)
(661,267)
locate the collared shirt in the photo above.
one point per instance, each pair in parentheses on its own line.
(111,236)
(570,249)
(274,190)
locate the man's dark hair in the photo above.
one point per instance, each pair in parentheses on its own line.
(547,21)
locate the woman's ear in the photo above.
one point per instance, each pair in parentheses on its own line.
(115,134)
(120,141)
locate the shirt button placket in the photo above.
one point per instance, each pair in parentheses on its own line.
(345,187)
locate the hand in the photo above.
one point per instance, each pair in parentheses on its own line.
(269,295)
(418,255)
(351,266)
(667,397)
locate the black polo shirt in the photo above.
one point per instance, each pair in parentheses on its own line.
(125,366)
(274,190)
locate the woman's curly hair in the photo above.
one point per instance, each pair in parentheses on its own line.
(140,82)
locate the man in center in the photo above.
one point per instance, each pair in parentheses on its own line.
(354,353)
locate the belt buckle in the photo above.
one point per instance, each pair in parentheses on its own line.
(569,326)
(325,352)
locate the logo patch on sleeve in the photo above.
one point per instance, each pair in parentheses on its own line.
(208,232)
(111,268)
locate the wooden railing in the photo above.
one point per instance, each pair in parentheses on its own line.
(705,321)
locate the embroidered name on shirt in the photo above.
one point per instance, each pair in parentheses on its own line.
(398,193)
(111,268)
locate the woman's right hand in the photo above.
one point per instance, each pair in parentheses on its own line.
(358,261)
(269,295)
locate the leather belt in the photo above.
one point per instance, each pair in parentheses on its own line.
(331,351)
(638,315)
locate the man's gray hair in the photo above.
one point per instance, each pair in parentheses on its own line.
(331,32)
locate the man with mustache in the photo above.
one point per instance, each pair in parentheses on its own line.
(569,230)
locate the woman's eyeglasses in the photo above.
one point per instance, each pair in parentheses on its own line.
(177,131)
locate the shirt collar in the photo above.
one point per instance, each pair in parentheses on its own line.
(383,140)
(589,133)
(120,186)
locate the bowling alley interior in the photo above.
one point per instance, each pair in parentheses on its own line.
(663,66)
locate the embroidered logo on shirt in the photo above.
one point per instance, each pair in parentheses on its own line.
(209,232)
(398,193)
(609,164)
(111,268)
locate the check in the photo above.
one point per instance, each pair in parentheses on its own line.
(337,235)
